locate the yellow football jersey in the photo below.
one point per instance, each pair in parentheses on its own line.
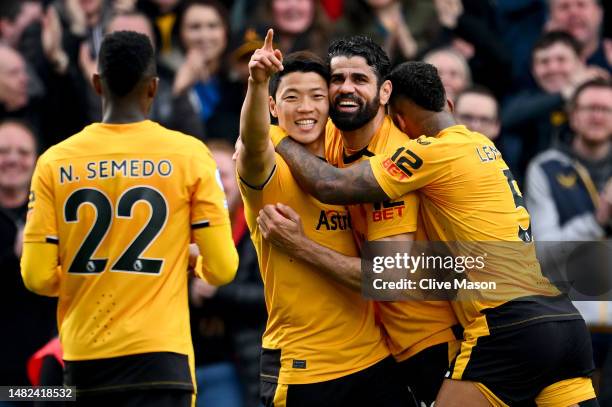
(121,215)
(468,194)
(323,330)
(413,325)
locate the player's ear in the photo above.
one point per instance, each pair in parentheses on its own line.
(450,105)
(272,104)
(152,88)
(97,83)
(384,93)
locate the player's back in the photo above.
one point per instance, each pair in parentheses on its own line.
(123,196)
(470,200)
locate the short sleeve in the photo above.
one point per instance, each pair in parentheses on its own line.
(41,224)
(208,202)
(409,168)
(393,217)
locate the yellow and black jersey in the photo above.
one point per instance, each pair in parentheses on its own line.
(121,216)
(411,326)
(468,194)
(320,330)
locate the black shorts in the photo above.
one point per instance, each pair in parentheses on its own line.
(376,385)
(517,364)
(133,380)
(424,372)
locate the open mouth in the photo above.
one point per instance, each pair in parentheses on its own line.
(347,105)
(306,124)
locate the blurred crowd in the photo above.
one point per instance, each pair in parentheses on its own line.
(533,75)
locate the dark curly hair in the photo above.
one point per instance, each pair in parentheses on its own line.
(419,82)
(125,58)
(365,47)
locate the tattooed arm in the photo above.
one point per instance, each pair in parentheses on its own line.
(355,184)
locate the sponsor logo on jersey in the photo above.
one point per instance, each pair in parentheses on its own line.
(334,220)
(388,210)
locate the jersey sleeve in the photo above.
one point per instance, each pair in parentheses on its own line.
(409,168)
(208,202)
(392,217)
(41,224)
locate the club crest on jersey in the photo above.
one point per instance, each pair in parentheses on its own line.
(334,220)
(388,210)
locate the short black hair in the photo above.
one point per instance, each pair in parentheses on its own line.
(419,82)
(301,61)
(593,83)
(365,47)
(125,58)
(552,37)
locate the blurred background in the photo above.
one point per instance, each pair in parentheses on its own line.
(532,75)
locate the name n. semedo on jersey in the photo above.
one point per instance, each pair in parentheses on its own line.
(132,168)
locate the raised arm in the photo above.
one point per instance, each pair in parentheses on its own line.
(355,184)
(256,158)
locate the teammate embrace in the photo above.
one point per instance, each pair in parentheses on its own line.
(518,350)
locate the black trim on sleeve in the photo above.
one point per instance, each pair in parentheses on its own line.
(262,186)
(200,225)
(51,239)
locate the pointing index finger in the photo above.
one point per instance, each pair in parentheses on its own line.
(268,40)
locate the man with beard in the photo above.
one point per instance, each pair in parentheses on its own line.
(419,332)
(523,345)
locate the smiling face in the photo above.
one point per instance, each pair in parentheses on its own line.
(354,93)
(553,66)
(17,156)
(293,16)
(301,105)
(203,29)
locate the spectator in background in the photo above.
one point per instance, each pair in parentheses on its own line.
(477,108)
(521,23)
(452,68)
(535,119)
(14,98)
(27,319)
(583,20)
(298,24)
(173,111)
(401,27)
(163,14)
(569,196)
(470,28)
(204,34)
(228,322)
(15,17)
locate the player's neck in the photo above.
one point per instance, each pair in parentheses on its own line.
(317,147)
(13,197)
(356,140)
(432,123)
(121,113)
